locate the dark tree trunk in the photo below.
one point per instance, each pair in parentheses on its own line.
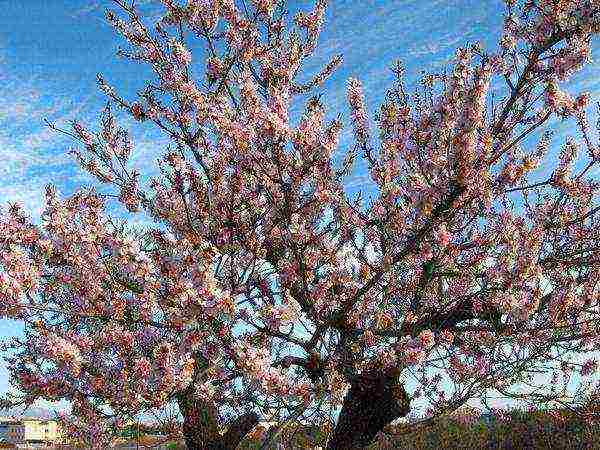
(375,399)
(237,430)
(201,428)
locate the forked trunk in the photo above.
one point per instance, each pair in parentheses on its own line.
(375,399)
(201,428)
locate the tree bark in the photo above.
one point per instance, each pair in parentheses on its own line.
(238,429)
(375,399)
(201,429)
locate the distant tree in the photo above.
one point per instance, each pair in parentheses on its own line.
(263,289)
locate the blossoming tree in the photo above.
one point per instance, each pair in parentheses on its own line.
(263,287)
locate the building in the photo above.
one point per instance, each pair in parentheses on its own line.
(3,432)
(13,431)
(29,431)
(40,431)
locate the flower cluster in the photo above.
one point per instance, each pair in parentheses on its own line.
(259,260)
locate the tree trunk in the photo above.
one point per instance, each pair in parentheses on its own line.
(375,399)
(201,428)
(237,430)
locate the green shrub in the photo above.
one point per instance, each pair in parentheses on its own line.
(523,430)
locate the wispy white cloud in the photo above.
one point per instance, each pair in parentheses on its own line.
(86,9)
(101,5)
(436,46)
(31,154)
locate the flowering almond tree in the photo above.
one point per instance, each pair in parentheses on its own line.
(263,289)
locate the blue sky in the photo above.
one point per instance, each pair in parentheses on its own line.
(51,51)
